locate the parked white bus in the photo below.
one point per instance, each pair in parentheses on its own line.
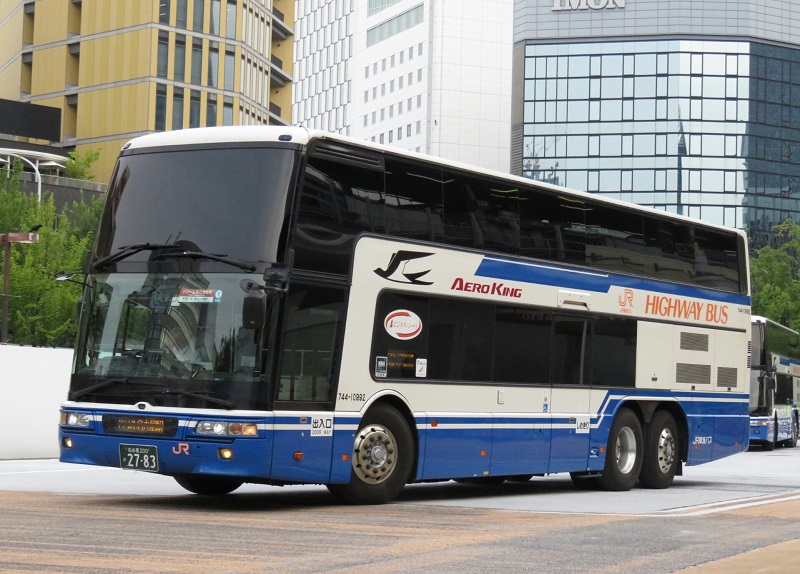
(774,384)
(272,305)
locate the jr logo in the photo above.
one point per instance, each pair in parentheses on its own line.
(181,448)
(396,269)
(626,301)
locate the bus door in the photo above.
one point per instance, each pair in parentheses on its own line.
(521,421)
(570,395)
(304,421)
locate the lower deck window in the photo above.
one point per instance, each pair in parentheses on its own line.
(439,338)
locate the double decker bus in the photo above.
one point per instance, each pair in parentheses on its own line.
(774,384)
(278,306)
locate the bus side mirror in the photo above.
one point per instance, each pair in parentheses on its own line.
(254,309)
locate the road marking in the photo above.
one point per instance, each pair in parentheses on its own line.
(716,507)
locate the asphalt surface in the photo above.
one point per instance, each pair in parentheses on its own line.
(741,514)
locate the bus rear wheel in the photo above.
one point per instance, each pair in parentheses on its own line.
(383,455)
(660,452)
(208,485)
(624,452)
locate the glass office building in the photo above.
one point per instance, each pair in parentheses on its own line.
(664,115)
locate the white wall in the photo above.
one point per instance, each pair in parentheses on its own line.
(33,383)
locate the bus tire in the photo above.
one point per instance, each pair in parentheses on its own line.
(383,457)
(624,452)
(208,485)
(661,450)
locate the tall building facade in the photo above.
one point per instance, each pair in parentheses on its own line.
(689,107)
(432,76)
(117,70)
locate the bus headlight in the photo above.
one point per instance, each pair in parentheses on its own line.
(226,428)
(82,420)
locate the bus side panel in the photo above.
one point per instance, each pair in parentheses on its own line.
(702,425)
(520,445)
(457,445)
(345,428)
(303,446)
(571,422)
(731,435)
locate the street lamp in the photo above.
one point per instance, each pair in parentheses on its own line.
(7,239)
(35,169)
(68,277)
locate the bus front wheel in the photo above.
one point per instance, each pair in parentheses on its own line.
(660,452)
(208,485)
(624,452)
(382,458)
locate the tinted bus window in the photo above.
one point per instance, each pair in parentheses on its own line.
(337,202)
(414,201)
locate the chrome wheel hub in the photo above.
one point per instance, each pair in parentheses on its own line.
(625,451)
(374,454)
(666,450)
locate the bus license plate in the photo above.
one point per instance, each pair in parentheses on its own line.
(138,457)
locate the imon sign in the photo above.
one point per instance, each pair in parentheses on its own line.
(587,4)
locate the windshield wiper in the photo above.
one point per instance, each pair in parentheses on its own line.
(210,256)
(162,389)
(127,251)
(75,395)
(213,400)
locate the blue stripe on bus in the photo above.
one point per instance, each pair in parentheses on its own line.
(787,361)
(541,274)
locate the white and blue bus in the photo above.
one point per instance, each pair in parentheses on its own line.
(272,305)
(774,384)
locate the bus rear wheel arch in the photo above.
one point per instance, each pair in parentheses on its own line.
(382,458)
(623,453)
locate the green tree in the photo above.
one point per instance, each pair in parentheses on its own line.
(42,312)
(774,277)
(79,166)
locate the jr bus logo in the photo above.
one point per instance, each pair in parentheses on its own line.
(396,269)
(586,4)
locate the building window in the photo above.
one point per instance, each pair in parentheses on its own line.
(180,20)
(161,108)
(227,112)
(230,15)
(197,61)
(230,68)
(213,25)
(194,109)
(198,17)
(213,65)
(177,108)
(163,55)
(211,110)
(395,26)
(163,11)
(180,58)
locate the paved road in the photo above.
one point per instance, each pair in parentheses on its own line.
(741,514)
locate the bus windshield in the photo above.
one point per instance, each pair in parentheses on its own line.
(227,202)
(170,340)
